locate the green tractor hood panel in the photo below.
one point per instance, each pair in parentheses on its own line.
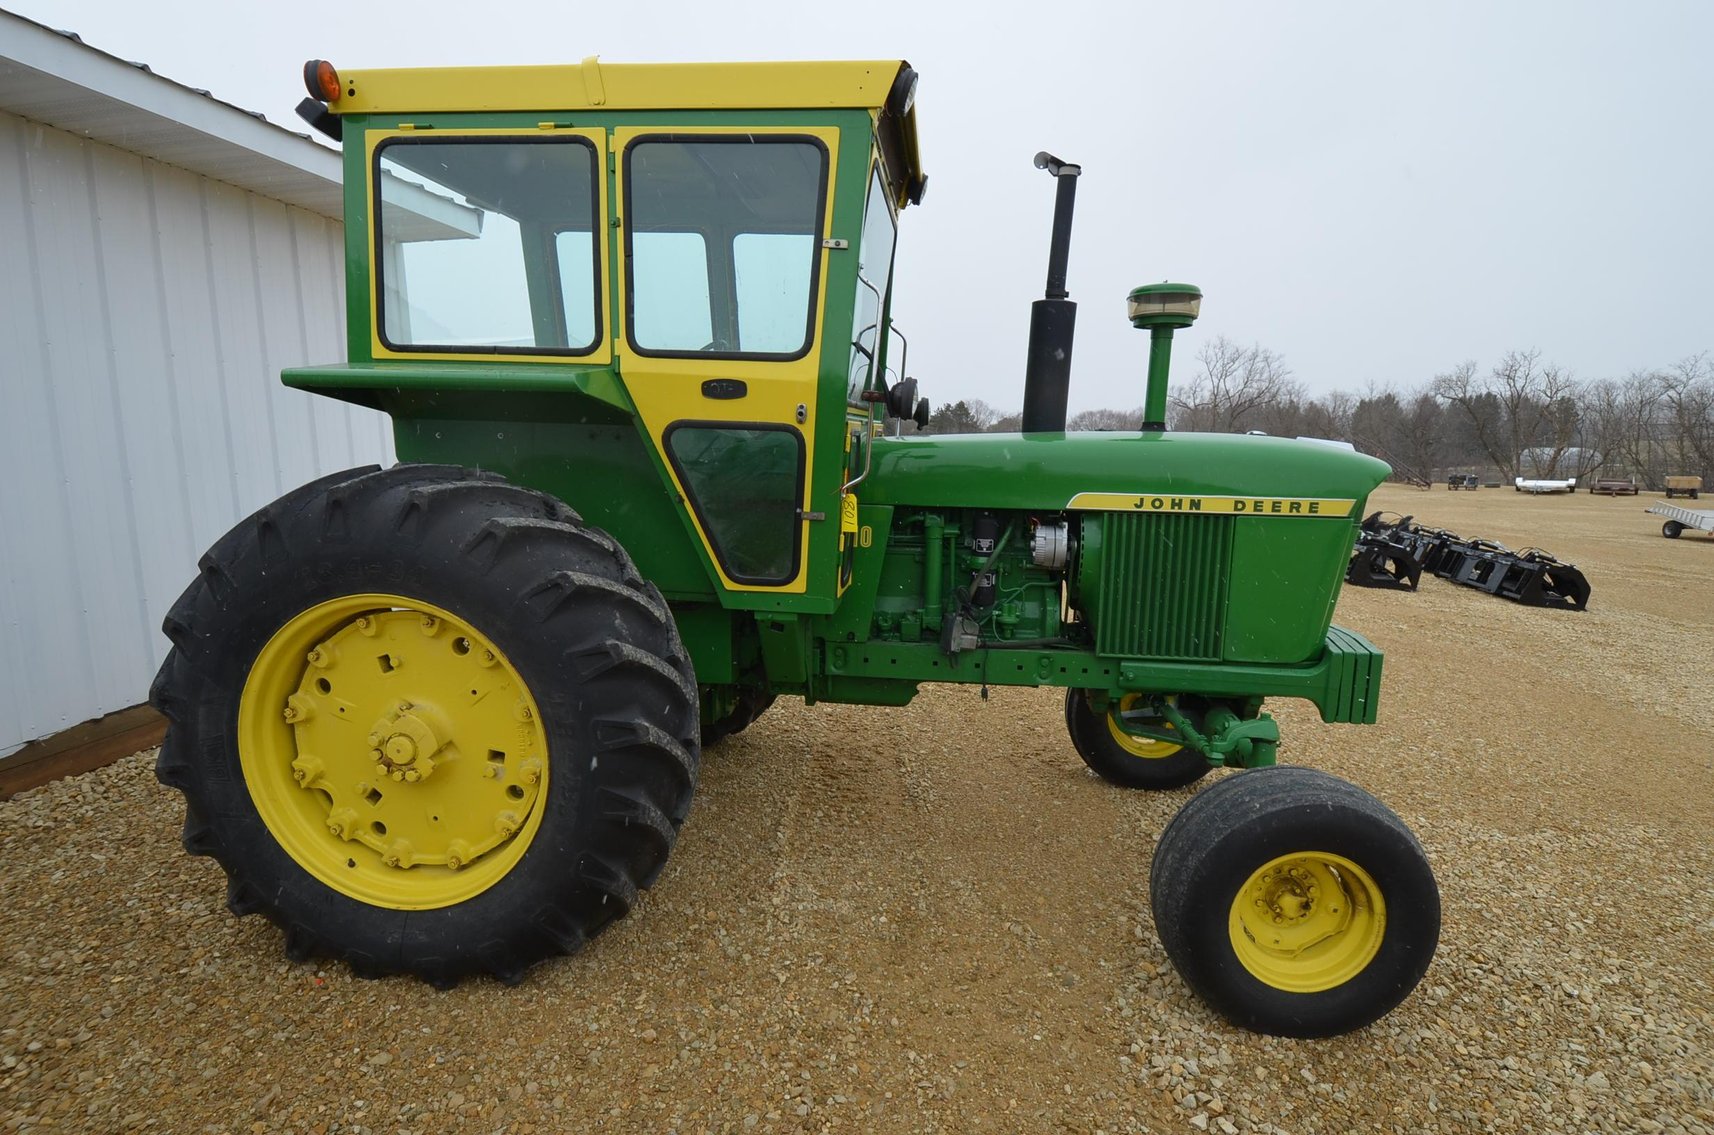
(1053,471)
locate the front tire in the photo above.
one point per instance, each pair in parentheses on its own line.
(1122,758)
(1294,903)
(1672,529)
(428,722)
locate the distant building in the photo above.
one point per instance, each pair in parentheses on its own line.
(165,255)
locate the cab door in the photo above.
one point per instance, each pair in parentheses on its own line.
(723,277)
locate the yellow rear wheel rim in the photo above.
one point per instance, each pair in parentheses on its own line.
(393,751)
(1145,747)
(1307,922)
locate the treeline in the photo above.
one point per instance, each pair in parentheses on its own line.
(1522,416)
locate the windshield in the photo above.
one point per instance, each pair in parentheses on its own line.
(874,268)
(487,245)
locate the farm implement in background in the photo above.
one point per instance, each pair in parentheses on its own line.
(1387,554)
(1395,553)
(1683,487)
(1679,518)
(1539,485)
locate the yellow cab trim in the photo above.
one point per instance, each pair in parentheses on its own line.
(619,86)
(658,385)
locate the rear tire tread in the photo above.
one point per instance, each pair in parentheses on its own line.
(642,752)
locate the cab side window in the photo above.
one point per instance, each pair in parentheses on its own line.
(723,244)
(487,245)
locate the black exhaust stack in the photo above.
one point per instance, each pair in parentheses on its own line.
(1053,319)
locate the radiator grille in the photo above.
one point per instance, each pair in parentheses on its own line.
(1164,581)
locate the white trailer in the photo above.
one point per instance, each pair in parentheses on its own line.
(1678,519)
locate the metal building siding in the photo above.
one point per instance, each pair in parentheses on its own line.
(145,314)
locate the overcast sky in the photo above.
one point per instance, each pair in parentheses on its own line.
(1375,191)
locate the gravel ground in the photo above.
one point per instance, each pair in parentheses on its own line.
(932,919)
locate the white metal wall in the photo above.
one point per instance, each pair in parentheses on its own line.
(145,313)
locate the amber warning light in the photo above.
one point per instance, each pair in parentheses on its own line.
(322,80)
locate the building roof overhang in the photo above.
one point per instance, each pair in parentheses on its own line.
(54,78)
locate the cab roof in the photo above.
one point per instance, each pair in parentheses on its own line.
(886,87)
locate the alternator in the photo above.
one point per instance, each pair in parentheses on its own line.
(1050,545)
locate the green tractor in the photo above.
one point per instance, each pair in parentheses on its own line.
(631,326)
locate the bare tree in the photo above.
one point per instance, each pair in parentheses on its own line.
(1687,390)
(1105,420)
(1329,416)
(1602,407)
(1405,432)
(1521,405)
(1639,408)
(1233,387)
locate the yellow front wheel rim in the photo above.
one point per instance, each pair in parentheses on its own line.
(393,751)
(1307,922)
(1147,748)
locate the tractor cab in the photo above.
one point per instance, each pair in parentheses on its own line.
(687,267)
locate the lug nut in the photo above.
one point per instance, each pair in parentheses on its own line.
(366,625)
(340,822)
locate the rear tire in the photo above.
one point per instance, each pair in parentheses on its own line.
(488,752)
(1120,758)
(1672,529)
(1294,903)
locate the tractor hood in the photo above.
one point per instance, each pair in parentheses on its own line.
(1109,471)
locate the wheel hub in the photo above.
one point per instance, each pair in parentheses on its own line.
(1133,707)
(403,745)
(1289,894)
(1307,922)
(414,747)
